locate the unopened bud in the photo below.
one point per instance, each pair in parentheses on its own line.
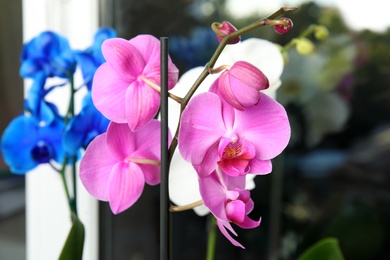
(304,46)
(282,29)
(240,85)
(321,33)
(224,29)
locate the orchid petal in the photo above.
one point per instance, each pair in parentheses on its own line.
(95,168)
(148,46)
(222,87)
(126,184)
(213,195)
(152,173)
(235,211)
(224,141)
(16,145)
(124,58)
(208,165)
(249,205)
(120,141)
(108,93)
(147,143)
(222,228)
(247,88)
(149,139)
(257,166)
(234,167)
(233,182)
(152,72)
(266,126)
(249,223)
(239,91)
(202,114)
(142,104)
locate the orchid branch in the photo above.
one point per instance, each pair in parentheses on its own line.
(72,200)
(66,188)
(186,207)
(217,53)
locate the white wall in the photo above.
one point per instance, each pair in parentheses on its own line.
(48,217)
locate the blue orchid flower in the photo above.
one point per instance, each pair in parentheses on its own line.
(49,53)
(28,142)
(40,135)
(91,58)
(83,127)
(35,102)
(35,136)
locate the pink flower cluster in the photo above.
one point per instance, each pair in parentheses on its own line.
(224,144)
(117,163)
(226,133)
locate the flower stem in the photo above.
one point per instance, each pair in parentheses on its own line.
(72,200)
(212,238)
(66,188)
(74,182)
(186,207)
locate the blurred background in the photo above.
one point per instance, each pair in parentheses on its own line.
(331,181)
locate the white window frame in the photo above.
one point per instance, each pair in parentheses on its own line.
(47,213)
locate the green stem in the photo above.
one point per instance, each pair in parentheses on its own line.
(66,188)
(212,238)
(71,112)
(74,176)
(72,200)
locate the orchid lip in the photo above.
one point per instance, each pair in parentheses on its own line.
(41,152)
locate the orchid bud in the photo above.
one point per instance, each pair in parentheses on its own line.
(282,29)
(321,33)
(304,46)
(224,29)
(240,85)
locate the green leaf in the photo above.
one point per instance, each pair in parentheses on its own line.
(74,245)
(325,249)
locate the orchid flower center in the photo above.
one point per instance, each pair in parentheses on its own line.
(237,148)
(41,153)
(232,150)
(235,154)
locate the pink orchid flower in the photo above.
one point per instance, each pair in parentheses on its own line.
(240,85)
(266,56)
(117,164)
(119,90)
(213,133)
(228,201)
